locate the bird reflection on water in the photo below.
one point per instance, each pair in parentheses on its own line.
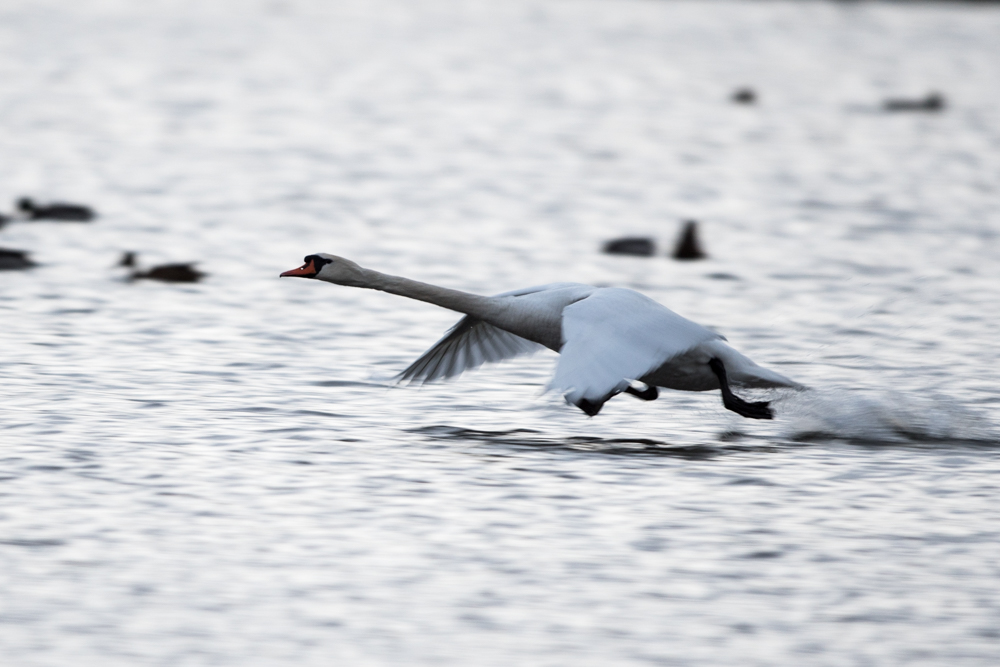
(536,440)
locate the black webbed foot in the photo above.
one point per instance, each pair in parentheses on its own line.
(590,407)
(650,393)
(759,410)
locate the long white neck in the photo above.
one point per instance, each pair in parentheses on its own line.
(483,307)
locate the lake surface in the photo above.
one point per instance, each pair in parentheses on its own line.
(221,474)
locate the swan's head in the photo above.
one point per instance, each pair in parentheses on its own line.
(330,268)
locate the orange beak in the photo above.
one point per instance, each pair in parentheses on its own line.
(307,270)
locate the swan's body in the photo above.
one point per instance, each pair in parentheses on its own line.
(607,338)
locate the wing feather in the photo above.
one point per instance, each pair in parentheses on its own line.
(470,344)
(616,335)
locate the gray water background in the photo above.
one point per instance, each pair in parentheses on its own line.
(217,474)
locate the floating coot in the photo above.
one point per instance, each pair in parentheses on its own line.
(14,259)
(637,246)
(167,273)
(744,96)
(55,211)
(932,102)
(688,247)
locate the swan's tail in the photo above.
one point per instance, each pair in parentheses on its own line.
(745,373)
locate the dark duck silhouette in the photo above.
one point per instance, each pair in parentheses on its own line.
(688,247)
(744,96)
(638,246)
(55,211)
(931,102)
(167,273)
(14,259)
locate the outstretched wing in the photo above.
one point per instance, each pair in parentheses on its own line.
(616,335)
(467,345)
(470,344)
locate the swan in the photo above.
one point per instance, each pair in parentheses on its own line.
(609,339)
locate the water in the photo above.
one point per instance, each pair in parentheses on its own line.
(217,474)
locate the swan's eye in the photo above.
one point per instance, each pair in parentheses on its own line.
(318,262)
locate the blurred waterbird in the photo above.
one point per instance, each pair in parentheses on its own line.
(932,102)
(610,340)
(14,259)
(167,273)
(688,247)
(744,96)
(54,211)
(638,246)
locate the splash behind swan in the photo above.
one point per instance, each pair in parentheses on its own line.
(609,339)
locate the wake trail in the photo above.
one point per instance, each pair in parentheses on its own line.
(882,416)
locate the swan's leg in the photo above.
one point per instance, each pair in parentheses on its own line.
(650,393)
(735,403)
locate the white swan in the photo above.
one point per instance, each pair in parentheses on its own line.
(609,339)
